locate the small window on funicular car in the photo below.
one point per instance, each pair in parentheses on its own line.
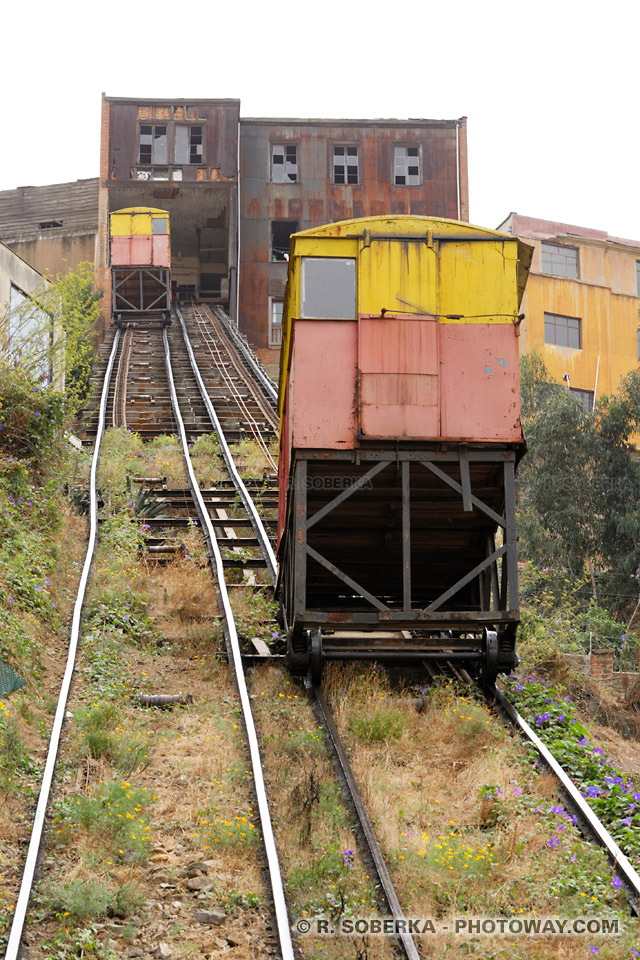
(328,288)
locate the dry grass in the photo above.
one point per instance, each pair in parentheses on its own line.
(251,460)
(193,759)
(313,828)
(466,823)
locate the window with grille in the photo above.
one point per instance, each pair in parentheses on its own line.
(406,166)
(275,323)
(153,144)
(585,397)
(563,331)
(559,260)
(345,164)
(284,162)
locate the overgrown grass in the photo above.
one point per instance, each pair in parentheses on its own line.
(467,824)
(125,455)
(382,725)
(251,460)
(89,899)
(323,871)
(105,733)
(113,816)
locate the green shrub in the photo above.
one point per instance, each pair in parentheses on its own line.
(379,725)
(85,899)
(113,813)
(32,418)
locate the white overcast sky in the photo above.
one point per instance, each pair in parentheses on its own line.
(551,89)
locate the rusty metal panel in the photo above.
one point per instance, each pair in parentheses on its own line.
(161,251)
(120,251)
(324,352)
(123,140)
(141,250)
(480,382)
(398,366)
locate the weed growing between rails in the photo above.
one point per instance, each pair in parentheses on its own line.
(467,825)
(251,460)
(124,455)
(141,791)
(322,870)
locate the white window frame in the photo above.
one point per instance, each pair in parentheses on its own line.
(345,166)
(401,164)
(275,328)
(287,167)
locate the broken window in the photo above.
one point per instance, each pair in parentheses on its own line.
(153,144)
(275,323)
(281,231)
(345,164)
(50,224)
(188,144)
(563,331)
(559,260)
(284,163)
(328,288)
(406,166)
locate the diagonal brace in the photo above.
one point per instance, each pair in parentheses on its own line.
(466,579)
(331,567)
(347,493)
(456,486)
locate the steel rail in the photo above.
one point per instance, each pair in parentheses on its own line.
(249,505)
(22,903)
(619,859)
(239,360)
(594,822)
(321,706)
(119,413)
(217,356)
(265,381)
(280,906)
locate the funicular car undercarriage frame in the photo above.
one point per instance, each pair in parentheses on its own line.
(402,554)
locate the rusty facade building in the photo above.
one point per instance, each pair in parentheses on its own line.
(298,174)
(237,188)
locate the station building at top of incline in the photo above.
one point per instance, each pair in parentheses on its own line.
(581,304)
(236,189)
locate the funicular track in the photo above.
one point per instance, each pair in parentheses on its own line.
(193,414)
(194,408)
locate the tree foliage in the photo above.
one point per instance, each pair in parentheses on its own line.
(579,485)
(79,312)
(54,330)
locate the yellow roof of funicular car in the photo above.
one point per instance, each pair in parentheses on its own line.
(136,221)
(455,270)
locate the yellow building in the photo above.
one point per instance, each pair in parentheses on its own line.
(581,304)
